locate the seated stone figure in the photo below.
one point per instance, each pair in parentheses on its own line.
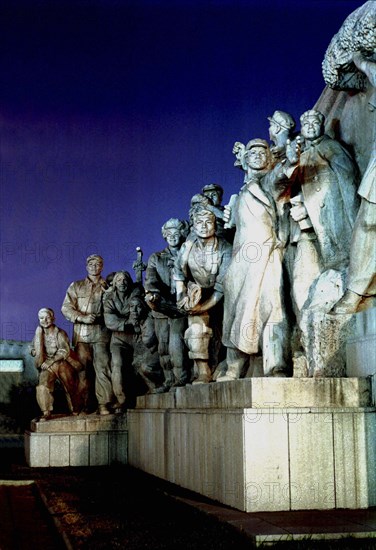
(54,361)
(199,270)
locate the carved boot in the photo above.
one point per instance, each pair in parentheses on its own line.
(236,360)
(348,304)
(203,370)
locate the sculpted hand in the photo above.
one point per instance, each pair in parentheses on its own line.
(195,309)
(152,299)
(87,319)
(238,149)
(44,366)
(227,213)
(299,213)
(293,150)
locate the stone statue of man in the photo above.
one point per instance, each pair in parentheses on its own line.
(199,271)
(83,306)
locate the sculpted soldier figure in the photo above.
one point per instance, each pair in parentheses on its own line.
(116,307)
(281,128)
(83,306)
(214,193)
(170,323)
(199,271)
(324,204)
(254,316)
(281,131)
(144,345)
(54,361)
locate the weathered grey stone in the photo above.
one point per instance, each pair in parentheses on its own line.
(59,450)
(278,459)
(276,392)
(37,449)
(79,450)
(98,449)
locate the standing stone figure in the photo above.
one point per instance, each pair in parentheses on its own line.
(254,316)
(323,177)
(144,345)
(116,307)
(83,306)
(54,361)
(281,128)
(361,282)
(281,131)
(214,193)
(199,271)
(170,323)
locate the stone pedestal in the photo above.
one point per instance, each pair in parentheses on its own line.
(88,440)
(263,444)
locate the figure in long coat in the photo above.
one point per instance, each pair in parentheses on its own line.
(254,317)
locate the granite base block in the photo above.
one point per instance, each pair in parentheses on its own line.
(77,441)
(264,458)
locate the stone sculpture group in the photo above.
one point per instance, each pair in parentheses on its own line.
(266,285)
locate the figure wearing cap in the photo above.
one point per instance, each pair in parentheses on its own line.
(214,193)
(83,306)
(254,316)
(281,129)
(324,205)
(199,269)
(324,178)
(169,323)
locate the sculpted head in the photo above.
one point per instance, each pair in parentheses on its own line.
(46,317)
(312,124)
(257,155)
(94,264)
(203,222)
(137,309)
(280,124)
(122,281)
(214,192)
(174,232)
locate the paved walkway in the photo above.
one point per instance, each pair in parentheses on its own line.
(272,527)
(24,521)
(124,508)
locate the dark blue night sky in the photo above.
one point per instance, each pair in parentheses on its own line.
(114,113)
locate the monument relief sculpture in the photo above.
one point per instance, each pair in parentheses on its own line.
(281,131)
(254,313)
(214,193)
(146,360)
(116,308)
(54,361)
(350,67)
(324,206)
(170,323)
(83,306)
(199,271)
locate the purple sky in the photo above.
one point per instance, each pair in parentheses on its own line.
(114,113)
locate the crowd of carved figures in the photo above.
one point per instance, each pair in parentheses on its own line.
(266,285)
